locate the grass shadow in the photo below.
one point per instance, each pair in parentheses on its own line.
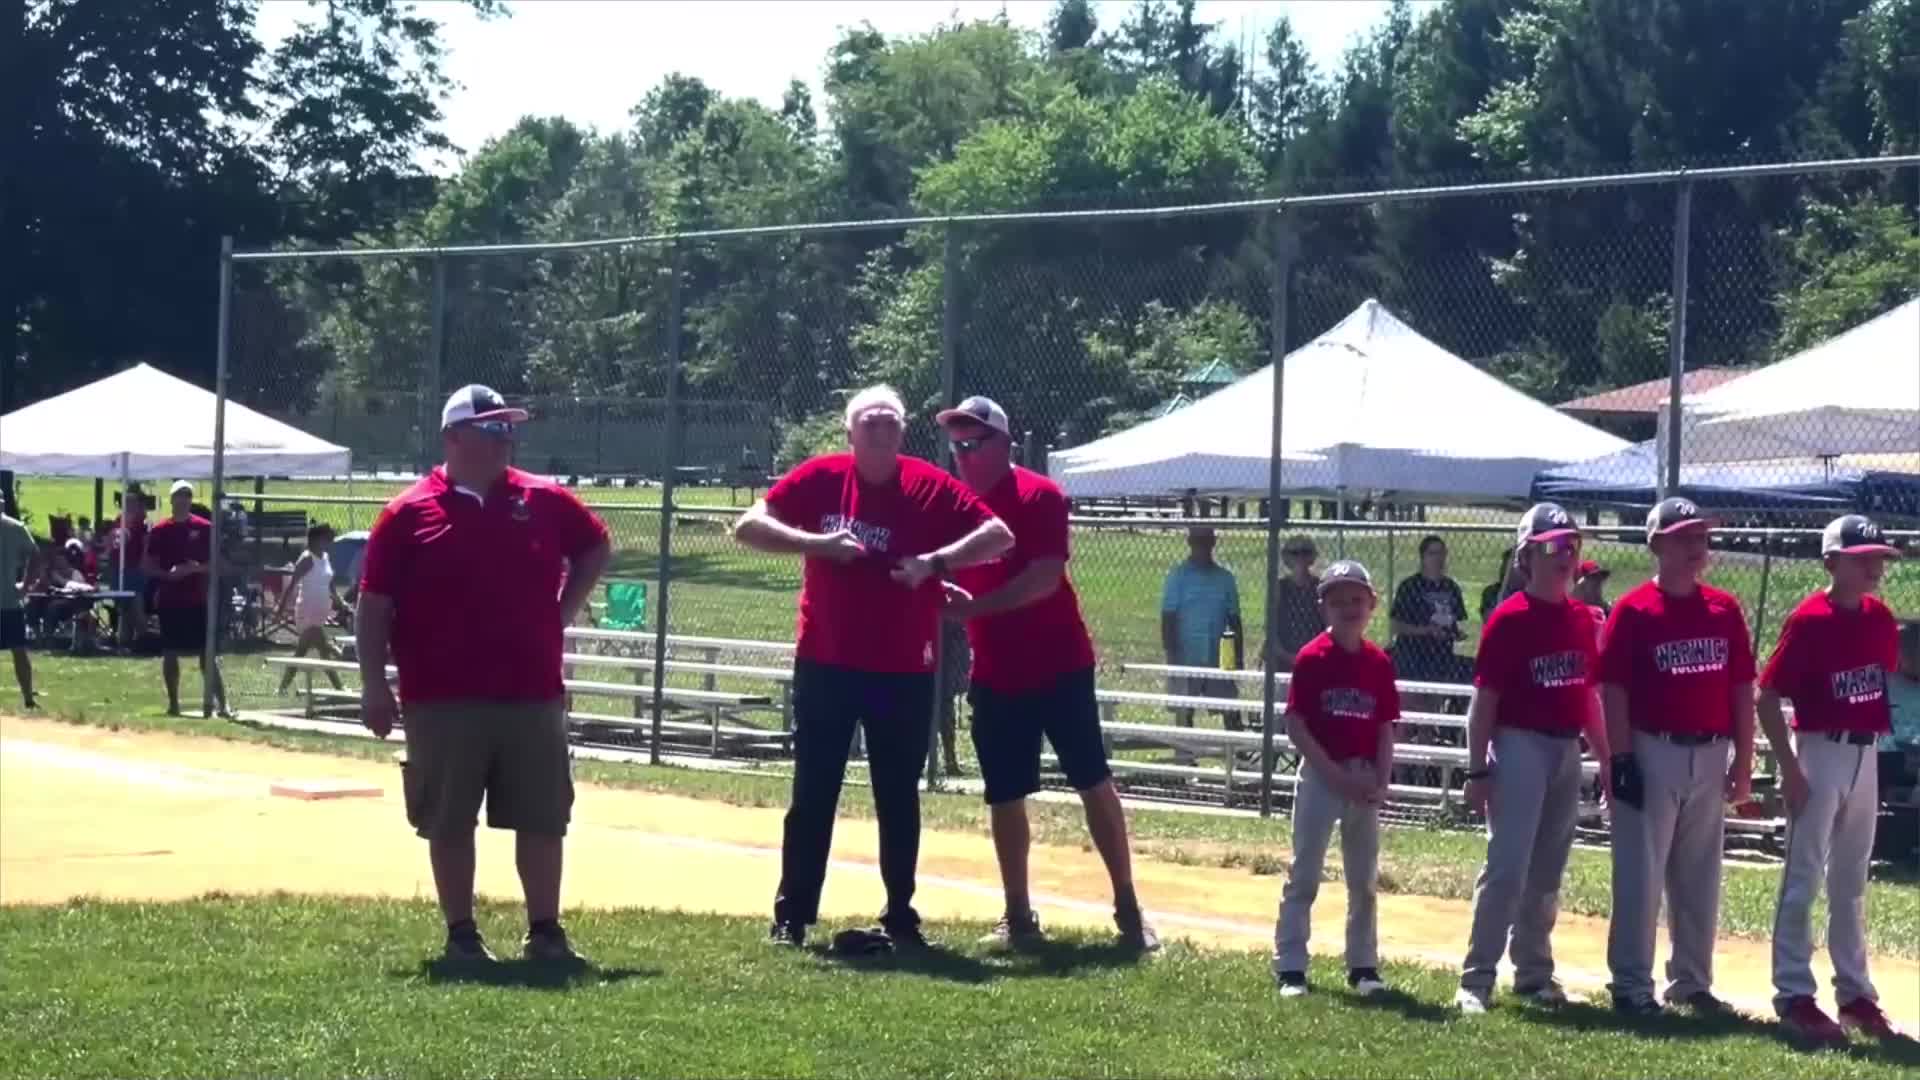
(1057,958)
(1408,1006)
(525,974)
(1679,1024)
(934,961)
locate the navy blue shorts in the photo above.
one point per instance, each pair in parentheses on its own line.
(1007,729)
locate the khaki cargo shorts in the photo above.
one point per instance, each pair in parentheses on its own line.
(512,754)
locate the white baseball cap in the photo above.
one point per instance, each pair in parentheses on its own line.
(477,402)
(178,487)
(979,410)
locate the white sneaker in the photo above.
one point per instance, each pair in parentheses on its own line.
(1365,982)
(1292,983)
(1469,1002)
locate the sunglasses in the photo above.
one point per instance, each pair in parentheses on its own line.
(499,429)
(879,418)
(1559,545)
(968,446)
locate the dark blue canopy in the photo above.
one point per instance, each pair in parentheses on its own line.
(1630,478)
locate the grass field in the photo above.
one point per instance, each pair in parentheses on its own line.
(307,987)
(1414,861)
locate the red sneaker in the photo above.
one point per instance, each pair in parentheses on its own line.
(1865,1014)
(1805,1021)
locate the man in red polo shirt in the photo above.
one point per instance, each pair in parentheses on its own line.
(1676,682)
(461,580)
(176,556)
(876,528)
(1533,699)
(1835,654)
(1032,674)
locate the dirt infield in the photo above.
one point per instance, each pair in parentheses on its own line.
(89,812)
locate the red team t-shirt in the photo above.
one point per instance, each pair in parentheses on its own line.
(1345,697)
(476,585)
(172,543)
(855,615)
(1833,665)
(1678,657)
(1031,647)
(1540,658)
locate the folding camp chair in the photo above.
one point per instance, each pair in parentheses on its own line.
(626,606)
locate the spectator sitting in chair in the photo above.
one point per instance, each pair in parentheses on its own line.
(311,592)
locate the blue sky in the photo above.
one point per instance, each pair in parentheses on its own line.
(591,60)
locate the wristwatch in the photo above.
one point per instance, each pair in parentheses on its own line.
(939,565)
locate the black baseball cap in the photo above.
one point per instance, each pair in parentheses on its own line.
(1673,515)
(1344,572)
(1544,521)
(1855,534)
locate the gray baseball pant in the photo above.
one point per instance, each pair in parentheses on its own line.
(1831,838)
(1672,842)
(1535,804)
(1316,807)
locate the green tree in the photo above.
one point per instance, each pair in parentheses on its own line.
(1843,266)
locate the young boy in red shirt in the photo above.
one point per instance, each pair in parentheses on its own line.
(1341,705)
(1533,700)
(1833,659)
(1676,683)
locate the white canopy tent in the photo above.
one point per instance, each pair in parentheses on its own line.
(1856,393)
(1370,405)
(143,424)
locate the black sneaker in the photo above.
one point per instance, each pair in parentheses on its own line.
(549,946)
(1016,933)
(1366,981)
(907,938)
(1291,983)
(1135,932)
(787,935)
(1702,1003)
(1639,1005)
(468,950)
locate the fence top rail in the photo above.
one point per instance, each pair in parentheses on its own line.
(1312,525)
(1284,202)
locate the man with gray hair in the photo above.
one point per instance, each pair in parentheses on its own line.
(877,531)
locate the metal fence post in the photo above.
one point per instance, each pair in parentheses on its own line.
(210,651)
(1677,335)
(949,391)
(430,371)
(1283,252)
(675,300)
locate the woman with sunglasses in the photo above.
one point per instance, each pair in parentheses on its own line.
(1533,700)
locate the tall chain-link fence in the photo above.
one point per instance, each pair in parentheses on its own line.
(1425,401)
